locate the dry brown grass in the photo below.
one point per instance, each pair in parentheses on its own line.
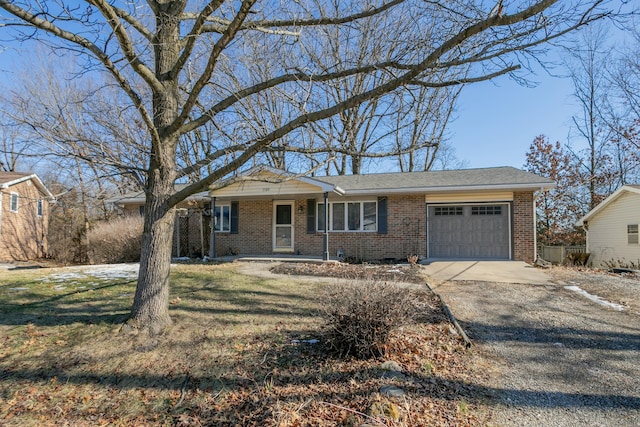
(118,240)
(229,359)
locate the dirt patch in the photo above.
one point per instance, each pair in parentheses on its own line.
(341,270)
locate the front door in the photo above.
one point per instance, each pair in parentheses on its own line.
(283,227)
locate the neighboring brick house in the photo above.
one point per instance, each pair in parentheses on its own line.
(484,213)
(24,216)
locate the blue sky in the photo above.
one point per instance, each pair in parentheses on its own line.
(498,120)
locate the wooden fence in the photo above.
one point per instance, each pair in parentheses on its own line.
(558,254)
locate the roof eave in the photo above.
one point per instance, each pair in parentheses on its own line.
(33,177)
(606,202)
(458,188)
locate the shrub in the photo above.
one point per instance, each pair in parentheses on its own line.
(577,258)
(360,316)
(118,240)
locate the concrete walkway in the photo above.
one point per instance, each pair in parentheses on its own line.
(486,271)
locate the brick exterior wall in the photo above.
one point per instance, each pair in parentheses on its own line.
(23,233)
(523,227)
(405,225)
(406,233)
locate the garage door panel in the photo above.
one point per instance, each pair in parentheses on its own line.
(468,231)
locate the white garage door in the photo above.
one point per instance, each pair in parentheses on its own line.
(479,231)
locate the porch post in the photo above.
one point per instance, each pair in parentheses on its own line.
(325,235)
(212,234)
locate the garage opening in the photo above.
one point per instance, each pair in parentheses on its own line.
(469,231)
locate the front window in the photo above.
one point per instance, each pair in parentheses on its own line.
(350,216)
(222,218)
(14,202)
(40,207)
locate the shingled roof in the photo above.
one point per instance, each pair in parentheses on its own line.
(498,178)
(8,179)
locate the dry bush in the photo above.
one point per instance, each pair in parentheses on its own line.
(118,240)
(577,258)
(360,315)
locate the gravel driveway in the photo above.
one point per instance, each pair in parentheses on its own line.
(556,358)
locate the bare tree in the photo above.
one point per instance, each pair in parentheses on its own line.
(588,70)
(168,58)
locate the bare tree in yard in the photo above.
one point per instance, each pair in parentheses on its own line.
(420,123)
(588,64)
(171,60)
(625,119)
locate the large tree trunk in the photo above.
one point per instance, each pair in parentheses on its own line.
(150,311)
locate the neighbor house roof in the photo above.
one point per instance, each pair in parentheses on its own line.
(8,179)
(498,178)
(606,202)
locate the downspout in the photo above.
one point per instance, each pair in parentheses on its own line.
(212,234)
(201,234)
(325,235)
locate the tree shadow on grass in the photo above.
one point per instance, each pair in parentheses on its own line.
(296,375)
(67,308)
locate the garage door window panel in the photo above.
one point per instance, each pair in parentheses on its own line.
(486,210)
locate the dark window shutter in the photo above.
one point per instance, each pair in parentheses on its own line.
(382,215)
(311,216)
(234,218)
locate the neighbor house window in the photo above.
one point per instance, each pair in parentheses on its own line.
(349,216)
(14,202)
(222,218)
(39,207)
(632,234)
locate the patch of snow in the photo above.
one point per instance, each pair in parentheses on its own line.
(182,258)
(595,298)
(59,287)
(18,289)
(394,270)
(101,272)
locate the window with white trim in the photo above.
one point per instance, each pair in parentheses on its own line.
(632,234)
(349,216)
(222,218)
(13,206)
(39,207)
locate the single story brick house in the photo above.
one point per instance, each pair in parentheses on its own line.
(486,213)
(612,229)
(24,216)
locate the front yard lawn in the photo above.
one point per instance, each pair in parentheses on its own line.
(237,354)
